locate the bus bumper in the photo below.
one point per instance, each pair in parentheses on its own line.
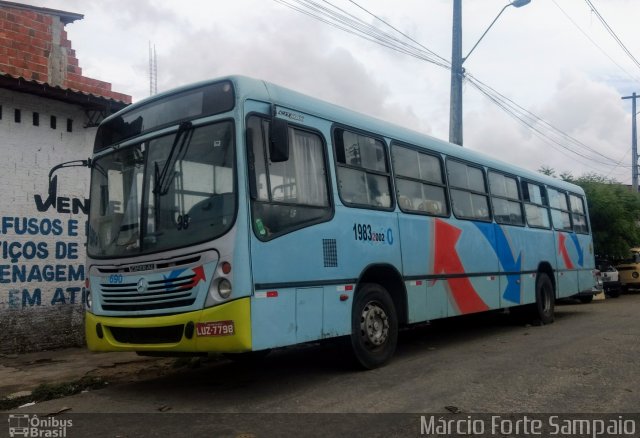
(223,328)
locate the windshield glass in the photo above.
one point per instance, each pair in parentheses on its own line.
(189,104)
(165,193)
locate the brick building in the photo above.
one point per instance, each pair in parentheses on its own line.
(48,114)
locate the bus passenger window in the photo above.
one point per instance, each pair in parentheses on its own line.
(468,191)
(362,170)
(506,199)
(559,210)
(419,181)
(578,214)
(535,207)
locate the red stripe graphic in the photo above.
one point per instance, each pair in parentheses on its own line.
(562,248)
(446,261)
(198,277)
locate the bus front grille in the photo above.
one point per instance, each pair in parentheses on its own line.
(147,335)
(159,294)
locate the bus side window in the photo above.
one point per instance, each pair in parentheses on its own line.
(420,182)
(288,194)
(578,214)
(535,205)
(505,198)
(469,198)
(362,170)
(560,216)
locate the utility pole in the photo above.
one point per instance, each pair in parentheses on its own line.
(634,143)
(455,113)
(457,71)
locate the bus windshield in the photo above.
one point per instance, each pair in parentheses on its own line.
(169,192)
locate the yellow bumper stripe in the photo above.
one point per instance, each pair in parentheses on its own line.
(238,311)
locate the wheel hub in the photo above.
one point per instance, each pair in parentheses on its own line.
(374,324)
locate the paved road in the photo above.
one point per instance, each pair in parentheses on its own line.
(587,361)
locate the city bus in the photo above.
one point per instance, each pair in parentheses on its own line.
(237,216)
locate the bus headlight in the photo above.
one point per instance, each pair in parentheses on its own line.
(634,275)
(224,288)
(88,300)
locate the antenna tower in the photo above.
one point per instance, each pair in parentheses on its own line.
(153,70)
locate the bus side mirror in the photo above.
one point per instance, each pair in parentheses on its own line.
(53,180)
(279,141)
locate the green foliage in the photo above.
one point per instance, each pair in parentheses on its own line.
(567,176)
(546,170)
(550,171)
(614,212)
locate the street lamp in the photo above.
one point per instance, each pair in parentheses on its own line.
(457,72)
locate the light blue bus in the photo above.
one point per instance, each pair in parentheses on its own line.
(238,216)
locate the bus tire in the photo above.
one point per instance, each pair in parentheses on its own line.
(544,307)
(586,299)
(613,293)
(374,326)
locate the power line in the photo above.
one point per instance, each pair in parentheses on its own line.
(537,129)
(624,157)
(339,18)
(635,78)
(446,61)
(359,28)
(533,118)
(611,32)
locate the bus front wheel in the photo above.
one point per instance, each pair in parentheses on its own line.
(374,326)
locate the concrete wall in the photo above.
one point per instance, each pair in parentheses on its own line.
(42,250)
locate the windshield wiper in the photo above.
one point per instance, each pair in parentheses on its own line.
(164,177)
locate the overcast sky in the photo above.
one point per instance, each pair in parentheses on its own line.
(536,55)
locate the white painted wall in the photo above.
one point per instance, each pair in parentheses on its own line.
(44,310)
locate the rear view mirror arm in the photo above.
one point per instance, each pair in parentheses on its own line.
(74,163)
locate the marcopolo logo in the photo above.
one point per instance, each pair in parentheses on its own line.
(25,425)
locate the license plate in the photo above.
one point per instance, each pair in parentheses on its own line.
(215,328)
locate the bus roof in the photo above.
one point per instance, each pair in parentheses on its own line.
(250,88)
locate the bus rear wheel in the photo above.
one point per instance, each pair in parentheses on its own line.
(374,326)
(544,307)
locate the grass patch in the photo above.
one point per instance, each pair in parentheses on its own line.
(48,391)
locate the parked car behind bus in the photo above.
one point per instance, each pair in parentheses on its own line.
(610,278)
(629,271)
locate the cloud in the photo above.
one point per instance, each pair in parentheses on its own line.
(203,39)
(587,110)
(295,58)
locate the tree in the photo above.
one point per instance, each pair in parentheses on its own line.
(546,170)
(614,212)
(567,176)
